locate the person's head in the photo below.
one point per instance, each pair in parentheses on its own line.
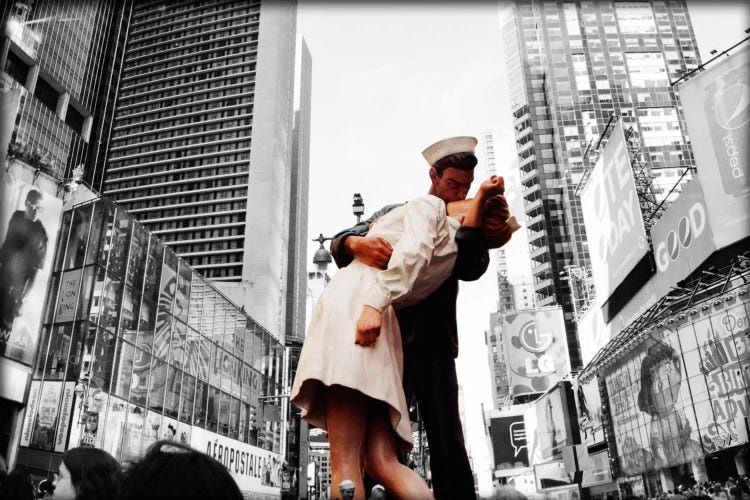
(88,474)
(174,470)
(452,163)
(661,375)
(18,485)
(33,204)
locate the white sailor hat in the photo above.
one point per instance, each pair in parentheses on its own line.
(449,146)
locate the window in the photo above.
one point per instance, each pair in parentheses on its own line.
(635,18)
(659,127)
(581,72)
(647,69)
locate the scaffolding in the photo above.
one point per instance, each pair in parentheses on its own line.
(582,289)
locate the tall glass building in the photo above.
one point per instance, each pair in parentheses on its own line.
(137,346)
(201,147)
(64,58)
(571,66)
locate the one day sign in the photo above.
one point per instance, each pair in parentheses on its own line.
(612,214)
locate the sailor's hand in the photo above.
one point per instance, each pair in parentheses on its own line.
(373,251)
(368,326)
(492,186)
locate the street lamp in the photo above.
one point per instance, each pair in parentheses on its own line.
(322,257)
(358,207)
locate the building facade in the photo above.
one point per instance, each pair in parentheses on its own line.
(65,59)
(201,148)
(571,65)
(136,346)
(59,63)
(674,370)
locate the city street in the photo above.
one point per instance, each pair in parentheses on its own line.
(327,250)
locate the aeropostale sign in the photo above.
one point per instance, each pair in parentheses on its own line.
(254,469)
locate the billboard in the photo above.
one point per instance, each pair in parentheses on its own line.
(29,226)
(509,448)
(48,415)
(682,237)
(536,349)
(552,475)
(612,215)
(684,391)
(716,103)
(589,410)
(254,469)
(549,426)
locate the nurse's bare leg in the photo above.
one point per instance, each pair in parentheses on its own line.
(346,415)
(382,462)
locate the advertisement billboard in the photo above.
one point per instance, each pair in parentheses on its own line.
(682,237)
(589,410)
(612,215)
(716,103)
(29,226)
(254,469)
(552,475)
(536,349)
(682,240)
(682,392)
(549,425)
(509,448)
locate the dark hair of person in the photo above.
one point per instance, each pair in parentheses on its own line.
(33,195)
(17,485)
(461,161)
(174,470)
(656,354)
(95,474)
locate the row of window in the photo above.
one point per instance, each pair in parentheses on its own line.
(161,120)
(183,200)
(189,16)
(197,222)
(152,101)
(203,234)
(182,141)
(185,78)
(164,88)
(205,247)
(242,148)
(186,173)
(192,65)
(201,34)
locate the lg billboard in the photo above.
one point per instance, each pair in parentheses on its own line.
(536,349)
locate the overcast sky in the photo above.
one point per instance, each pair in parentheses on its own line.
(390,79)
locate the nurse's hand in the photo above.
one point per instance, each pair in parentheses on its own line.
(368,326)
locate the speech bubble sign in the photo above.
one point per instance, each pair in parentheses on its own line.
(517,437)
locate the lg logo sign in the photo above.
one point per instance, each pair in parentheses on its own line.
(689,228)
(536,342)
(533,340)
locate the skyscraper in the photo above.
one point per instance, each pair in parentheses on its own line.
(571,66)
(298,200)
(65,57)
(201,148)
